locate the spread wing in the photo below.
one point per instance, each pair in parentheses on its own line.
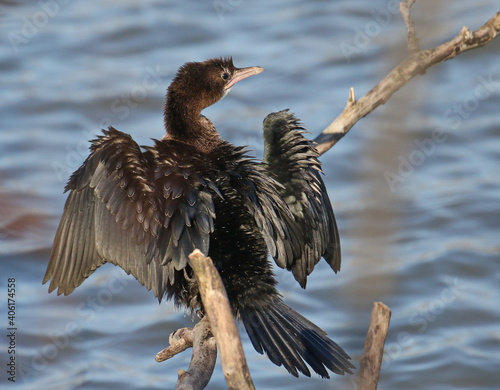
(132,208)
(292,160)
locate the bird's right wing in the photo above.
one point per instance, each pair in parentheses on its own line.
(143,211)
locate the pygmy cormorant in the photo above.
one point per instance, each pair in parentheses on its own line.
(147,208)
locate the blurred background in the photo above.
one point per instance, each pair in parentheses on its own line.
(415,185)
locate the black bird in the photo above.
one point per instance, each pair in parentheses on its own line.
(146,209)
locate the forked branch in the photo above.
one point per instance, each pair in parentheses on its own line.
(416,64)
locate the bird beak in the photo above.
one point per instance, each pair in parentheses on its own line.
(242,73)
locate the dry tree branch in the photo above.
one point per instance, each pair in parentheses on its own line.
(180,340)
(218,320)
(371,361)
(203,358)
(222,322)
(416,64)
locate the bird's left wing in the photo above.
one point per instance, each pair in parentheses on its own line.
(292,160)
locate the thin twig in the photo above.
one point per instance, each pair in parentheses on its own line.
(180,340)
(371,361)
(399,76)
(405,7)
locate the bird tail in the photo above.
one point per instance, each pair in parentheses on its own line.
(289,339)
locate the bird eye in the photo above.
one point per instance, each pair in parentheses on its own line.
(225,76)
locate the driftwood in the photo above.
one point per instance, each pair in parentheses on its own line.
(219,318)
(371,361)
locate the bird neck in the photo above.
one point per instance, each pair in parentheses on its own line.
(184,122)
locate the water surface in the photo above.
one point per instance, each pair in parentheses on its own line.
(415,185)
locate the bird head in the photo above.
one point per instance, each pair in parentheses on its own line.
(205,83)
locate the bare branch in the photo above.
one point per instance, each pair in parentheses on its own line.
(203,358)
(180,340)
(222,322)
(416,64)
(371,361)
(405,7)
(219,320)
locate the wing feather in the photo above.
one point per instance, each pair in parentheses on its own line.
(292,160)
(144,211)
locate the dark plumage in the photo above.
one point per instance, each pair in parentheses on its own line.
(146,209)
(292,160)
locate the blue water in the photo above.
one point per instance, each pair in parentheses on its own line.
(415,185)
